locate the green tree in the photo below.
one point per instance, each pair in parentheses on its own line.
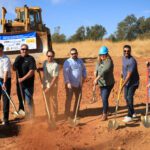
(127,29)
(79,35)
(95,32)
(58,38)
(112,38)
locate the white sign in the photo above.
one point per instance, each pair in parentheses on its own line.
(13,42)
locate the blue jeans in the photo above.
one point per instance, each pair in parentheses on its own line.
(28,97)
(105,92)
(129,92)
(6,102)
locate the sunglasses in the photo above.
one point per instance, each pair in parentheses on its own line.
(126,51)
(50,56)
(24,49)
(73,53)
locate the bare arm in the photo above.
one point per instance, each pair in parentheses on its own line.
(53,81)
(28,75)
(5,76)
(126,79)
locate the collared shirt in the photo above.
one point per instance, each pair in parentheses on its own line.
(50,70)
(5,66)
(74,70)
(130,65)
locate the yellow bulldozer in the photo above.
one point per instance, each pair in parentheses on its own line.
(26,28)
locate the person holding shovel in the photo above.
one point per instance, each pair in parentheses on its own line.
(74,76)
(5,79)
(25,67)
(148,64)
(104,78)
(131,81)
(50,83)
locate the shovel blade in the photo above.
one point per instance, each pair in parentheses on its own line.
(113,124)
(22,113)
(16,114)
(145,121)
(93,100)
(52,124)
(73,122)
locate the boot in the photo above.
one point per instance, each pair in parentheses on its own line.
(104,117)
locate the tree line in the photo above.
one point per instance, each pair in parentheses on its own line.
(130,28)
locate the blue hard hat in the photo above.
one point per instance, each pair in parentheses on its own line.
(103,50)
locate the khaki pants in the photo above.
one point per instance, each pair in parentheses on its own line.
(51,97)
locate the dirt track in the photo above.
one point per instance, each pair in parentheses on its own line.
(92,133)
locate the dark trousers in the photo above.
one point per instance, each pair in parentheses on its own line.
(129,92)
(6,101)
(105,92)
(69,95)
(27,96)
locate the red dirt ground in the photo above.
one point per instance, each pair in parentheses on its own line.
(91,134)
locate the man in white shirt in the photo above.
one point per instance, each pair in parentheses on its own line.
(5,79)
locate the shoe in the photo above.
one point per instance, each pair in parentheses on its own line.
(22,113)
(134,115)
(127,119)
(5,123)
(104,117)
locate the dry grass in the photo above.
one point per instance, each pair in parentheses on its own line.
(90,48)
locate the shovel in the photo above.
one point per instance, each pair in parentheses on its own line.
(50,120)
(146,119)
(113,124)
(93,100)
(16,114)
(21,112)
(74,122)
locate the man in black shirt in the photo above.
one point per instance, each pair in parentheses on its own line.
(25,67)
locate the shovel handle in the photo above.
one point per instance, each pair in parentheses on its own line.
(44,96)
(11,101)
(94,90)
(120,85)
(119,93)
(79,99)
(20,88)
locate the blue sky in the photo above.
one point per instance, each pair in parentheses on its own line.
(70,14)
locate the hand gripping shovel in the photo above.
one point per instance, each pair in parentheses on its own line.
(16,114)
(146,119)
(74,122)
(113,124)
(50,120)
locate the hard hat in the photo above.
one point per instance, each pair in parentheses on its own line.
(103,50)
